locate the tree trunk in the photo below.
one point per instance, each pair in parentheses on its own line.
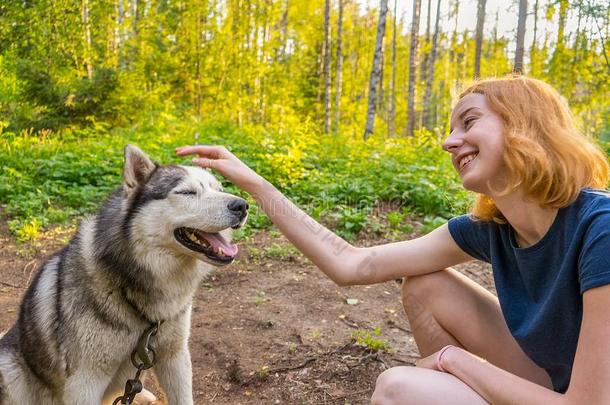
(284,31)
(392,98)
(134,17)
(376,71)
(535,23)
(425,49)
(413,68)
(339,75)
(326,66)
(577,37)
(428,20)
(380,98)
(455,11)
(262,104)
(479,37)
(533,48)
(198,41)
(563,15)
(520,37)
(87,29)
(428,94)
(119,33)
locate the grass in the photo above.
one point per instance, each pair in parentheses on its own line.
(260,299)
(282,251)
(53,179)
(372,341)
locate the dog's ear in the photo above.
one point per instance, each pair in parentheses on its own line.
(137,168)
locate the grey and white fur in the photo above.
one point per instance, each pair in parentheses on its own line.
(139,260)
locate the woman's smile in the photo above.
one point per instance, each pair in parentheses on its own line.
(466,161)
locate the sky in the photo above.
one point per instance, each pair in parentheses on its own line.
(507,12)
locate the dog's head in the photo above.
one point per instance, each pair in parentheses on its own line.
(181,209)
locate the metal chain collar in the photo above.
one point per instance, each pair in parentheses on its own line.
(142,357)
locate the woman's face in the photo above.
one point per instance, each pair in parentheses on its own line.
(476,144)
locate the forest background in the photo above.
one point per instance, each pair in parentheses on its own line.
(341,104)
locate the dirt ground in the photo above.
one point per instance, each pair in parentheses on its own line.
(270,328)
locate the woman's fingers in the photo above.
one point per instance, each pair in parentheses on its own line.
(212,152)
(205,163)
(428,362)
(223,161)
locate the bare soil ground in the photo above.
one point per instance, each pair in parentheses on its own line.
(270,328)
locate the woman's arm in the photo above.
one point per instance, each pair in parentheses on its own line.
(343,263)
(496,385)
(590,372)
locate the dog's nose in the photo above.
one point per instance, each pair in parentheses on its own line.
(239,207)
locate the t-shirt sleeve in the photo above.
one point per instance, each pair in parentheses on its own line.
(472,236)
(594,262)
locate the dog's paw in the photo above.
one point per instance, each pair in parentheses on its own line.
(145,398)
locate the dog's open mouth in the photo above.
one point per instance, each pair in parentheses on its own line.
(213,245)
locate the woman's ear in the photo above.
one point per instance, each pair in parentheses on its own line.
(137,168)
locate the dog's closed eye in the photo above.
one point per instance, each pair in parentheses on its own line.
(186,192)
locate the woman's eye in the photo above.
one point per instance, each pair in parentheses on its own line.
(468,122)
(186,192)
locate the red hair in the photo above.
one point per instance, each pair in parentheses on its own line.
(546,155)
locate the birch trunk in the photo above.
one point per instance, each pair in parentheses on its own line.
(87,29)
(479,37)
(428,94)
(533,48)
(339,73)
(380,95)
(520,37)
(376,71)
(392,97)
(413,68)
(326,66)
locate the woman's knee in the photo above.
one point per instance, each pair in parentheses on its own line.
(417,290)
(415,385)
(394,386)
(390,386)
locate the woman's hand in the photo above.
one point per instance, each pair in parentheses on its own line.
(434,361)
(428,362)
(226,163)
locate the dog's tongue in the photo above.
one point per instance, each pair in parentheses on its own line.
(217,241)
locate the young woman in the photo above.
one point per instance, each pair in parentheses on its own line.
(541,222)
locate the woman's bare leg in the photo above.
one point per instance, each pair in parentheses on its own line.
(446,307)
(422,386)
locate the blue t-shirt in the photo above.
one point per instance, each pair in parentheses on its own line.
(540,287)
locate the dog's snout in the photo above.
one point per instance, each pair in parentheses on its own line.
(239,207)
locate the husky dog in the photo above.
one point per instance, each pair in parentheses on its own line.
(138,261)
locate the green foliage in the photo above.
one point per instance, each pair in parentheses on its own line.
(74,91)
(281,251)
(351,221)
(52,178)
(259,63)
(395,218)
(431,223)
(53,105)
(396,221)
(370,340)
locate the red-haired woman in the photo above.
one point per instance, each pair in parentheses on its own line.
(540,219)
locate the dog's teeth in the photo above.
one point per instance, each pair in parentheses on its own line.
(221,252)
(192,237)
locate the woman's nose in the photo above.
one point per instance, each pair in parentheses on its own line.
(452,142)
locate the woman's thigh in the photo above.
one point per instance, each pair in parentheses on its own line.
(446,304)
(422,386)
